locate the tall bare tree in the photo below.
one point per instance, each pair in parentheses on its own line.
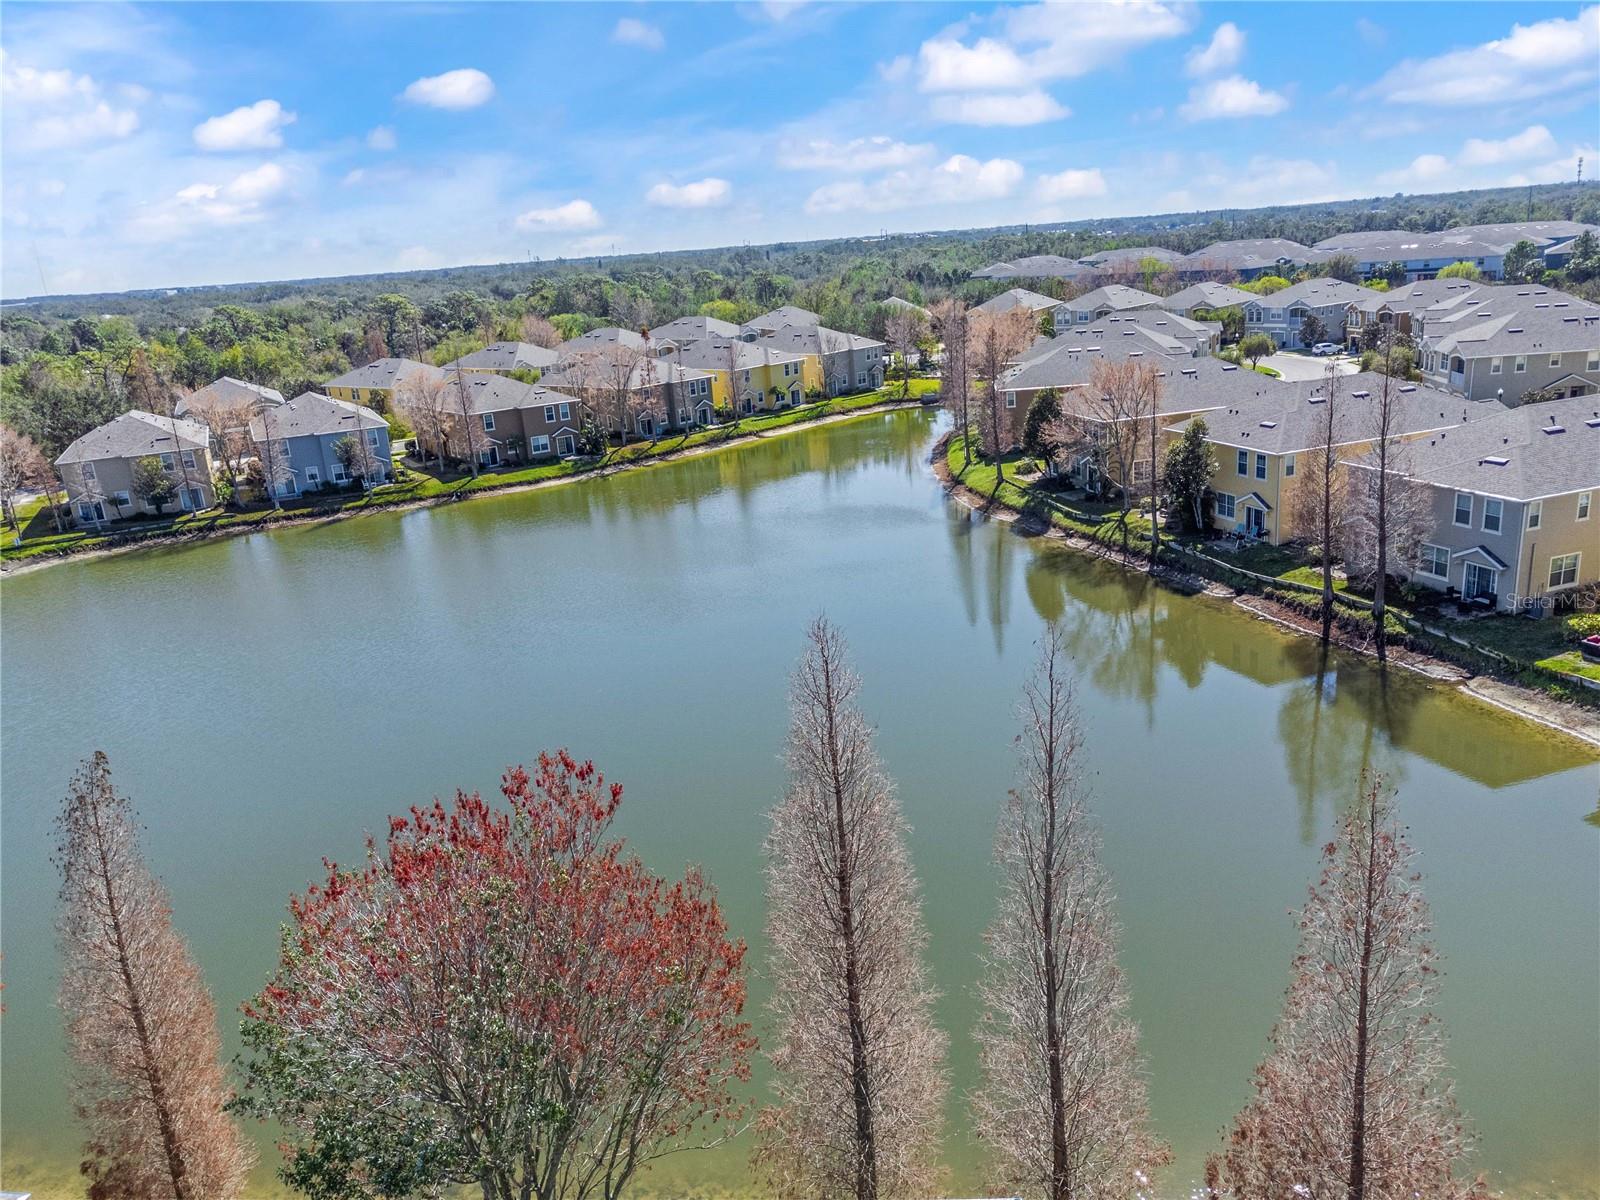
(1385,447)
(273,456)
(147,1077)
(537,331)
(461,405)
(423,401)
(228,423)
(1318,502)
(1352,1099)
(22,466)
(1062,1099)
(859,1065)
(904,329)
(952,322)
(1109,420)
(996,340)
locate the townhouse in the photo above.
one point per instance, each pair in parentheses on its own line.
(501,421)
(1129,260)
(1102,302)
(100,469)
(1035,266)
(900,303)
(1249,258)
(379,383)
(1424,255)
(632,392)
(1513,344)
(1150,330)
(847,362)
(506,358)
(298,444)
(1512,505)
(1206,296)
(1282,314)
(227,394)
(685,331)
(1261,443)
(1034,302)
(1404,309)
(747,377)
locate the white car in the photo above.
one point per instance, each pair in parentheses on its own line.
(1323,348)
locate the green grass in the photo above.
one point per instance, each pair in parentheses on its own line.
(1523,638)
(1571,663)
(40,538)
(1099,521)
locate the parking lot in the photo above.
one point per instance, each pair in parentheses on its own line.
(1297,366)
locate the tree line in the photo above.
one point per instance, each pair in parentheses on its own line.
(502,997)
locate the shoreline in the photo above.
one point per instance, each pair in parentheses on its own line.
(158,541)
(1529,705)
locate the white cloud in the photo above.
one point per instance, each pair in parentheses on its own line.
(1371,32)
(1423,171)
(703,193)
(780,10)
(242,200)
(456,90)
(1533,142)
(257,126)
(1025,108)
(56,109)
(574,214)
(896,69)
(1234,96)
(1038,43)
(22,84)
(97,124)
(1224,50)
(958,180)
(1555,55)
(1074,184)
(1561,170)
(630,31)
(861,154)
(381,137)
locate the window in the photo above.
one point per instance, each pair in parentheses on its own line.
(168,463)
(314,476)
(1011,399)
(1491,514)
(1564,570)
(88,472)
(1225,508)
(539,444)
(338,474)
(188,459)
(1244,462)
(488,422)
(1592,363)
(1261,466)
(1496,366)
(1141,470)
(1555,360)
(1463,508)
(1521,364)
(566,411)
(372,438)
(121,500)
(1288,465)
(1583,505)
(861,379)
(1435,561)
(1535,513)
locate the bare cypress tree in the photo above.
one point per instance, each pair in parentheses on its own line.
(859,1065)
(142,1029)
(1353,1099)
(1062,1101)
(952,322)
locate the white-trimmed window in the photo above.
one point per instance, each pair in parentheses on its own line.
(1496,366)
(1521,364)
(1141,470)
(121,500)
(338,474)
(1011,399)
(539,444)
(372,438)
(89,475)
(314,476)
(1492,510)
(1434,561)
(1564,570)
(1584,501)
(1463,515)
(566,412)
(1555,360)
(488,422)
(188,459)
(1288,465)
(1592,363)
(168,463)
(1244,462)
(549,414)
(1261,466)
(1535,513)
(1225,506)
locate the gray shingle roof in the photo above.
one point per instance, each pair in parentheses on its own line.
(646,372)
(1113,295)
(1251,254)
(506,356)
(712,354)
(312,413)
(386,373)
(595,339)
(228,392)
(1424,294)
(1206,295)
(1034,266)
(815,339)
(1515,320)
(1315,293)
(1399,245)
(1287,418)
(1017,298)
(1147,330)
(784,317)
(136,434)
(1538,232)
(1508,453)
(1187,385)
(898,302)
(694,328)
(1126,258)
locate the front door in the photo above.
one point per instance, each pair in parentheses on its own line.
(1255,522)
(564,445)
(1477,583)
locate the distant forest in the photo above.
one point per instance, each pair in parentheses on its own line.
(68,363)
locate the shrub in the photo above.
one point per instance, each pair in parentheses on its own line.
(1582,625)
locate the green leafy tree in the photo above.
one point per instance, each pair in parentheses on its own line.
(1186,471)
(1265,285)
(1042,410)
(1343,267)
(1461,270)
(1257,346)
(1584,263)
(153,484)
(1524,264)
(1312,330)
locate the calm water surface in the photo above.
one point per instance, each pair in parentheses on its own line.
(269,699)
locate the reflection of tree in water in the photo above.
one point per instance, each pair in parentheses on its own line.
(963,525)
(998,559)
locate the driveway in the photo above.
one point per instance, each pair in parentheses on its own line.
(1303,366)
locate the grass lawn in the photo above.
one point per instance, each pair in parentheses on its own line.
(1572,663)
(1099,521)
(40,537)
(1524,638)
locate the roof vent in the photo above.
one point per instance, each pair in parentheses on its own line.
(1229,367)
(1360,395)
(1494,460)
(1515,329)
(1189,371)
(1317,399)
(1555,428)
(1269,424)
(1409,387)
(1593,422)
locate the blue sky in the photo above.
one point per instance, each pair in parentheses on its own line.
(153,145)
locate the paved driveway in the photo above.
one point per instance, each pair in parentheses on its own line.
(1304,366)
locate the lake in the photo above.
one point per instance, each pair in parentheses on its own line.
(267,700)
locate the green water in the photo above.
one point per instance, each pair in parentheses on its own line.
(267,700)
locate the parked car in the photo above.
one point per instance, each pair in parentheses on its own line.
(1325,348)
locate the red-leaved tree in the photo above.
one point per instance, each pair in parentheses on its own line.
(500,998)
